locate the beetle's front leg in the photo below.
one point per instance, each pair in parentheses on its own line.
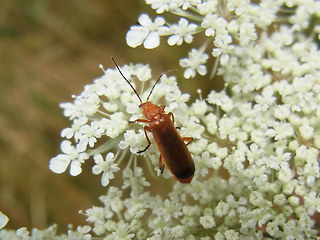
(140,120)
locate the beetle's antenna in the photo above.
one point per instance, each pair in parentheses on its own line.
(154,85)
(128,81)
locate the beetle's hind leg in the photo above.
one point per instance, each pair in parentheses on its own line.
(149,143)
(188,140)
(161,164)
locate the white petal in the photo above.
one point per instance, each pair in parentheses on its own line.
(66,146)
(98,158)
(172,40)
(202,70)
(104,180)
(189,73)
(3,220)
(185,62)
(224,59)
(144,20)
(59,163)
(92,141)
(75,168)
(96,170)
(183,22)
(67,132)
(152,41)
(209,32)
(159,21)
(216,52)
(82,145)
(123,145)
(136,36)
(109,156)
(188,38)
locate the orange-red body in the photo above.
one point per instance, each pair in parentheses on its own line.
(173,150)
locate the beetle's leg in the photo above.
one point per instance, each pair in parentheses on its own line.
(188,140)
(161,164)
(145,132)
(172,117)
(140,120)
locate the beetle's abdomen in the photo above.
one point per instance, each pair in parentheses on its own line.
(172,148)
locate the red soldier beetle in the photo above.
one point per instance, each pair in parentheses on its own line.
(172,147)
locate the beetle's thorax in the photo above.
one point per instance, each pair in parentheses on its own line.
(151,111)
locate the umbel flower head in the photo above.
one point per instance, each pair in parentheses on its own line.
(256,142)
(257,169)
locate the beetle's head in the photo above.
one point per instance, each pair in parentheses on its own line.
(151,110)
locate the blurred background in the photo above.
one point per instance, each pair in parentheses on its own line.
(49,50)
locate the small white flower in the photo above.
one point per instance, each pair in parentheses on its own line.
(199,107)
(147,33)
(214,24)
(228,128)
(285,174)
(207,222)
(107,166)
(293,201)
(194,63)
(279,160)
(178,231)
(306,131)
(247,33)
(222,45)
(222,209)
(90,133)
(203,163)
(84,105)
(211,123)
(280,130)
(312,202)
(182,32)
(74,130)
(81,232)
(122,231)
(282,111)
(220,99)
(169,209)
(164,5)
(74,156)
(231,235)
(279,199)
(134,178)
(115,125)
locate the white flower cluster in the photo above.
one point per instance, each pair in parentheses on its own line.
(225,23)
(101,116)
(256,142)
(49,233)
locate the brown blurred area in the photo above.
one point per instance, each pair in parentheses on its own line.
(49,50)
